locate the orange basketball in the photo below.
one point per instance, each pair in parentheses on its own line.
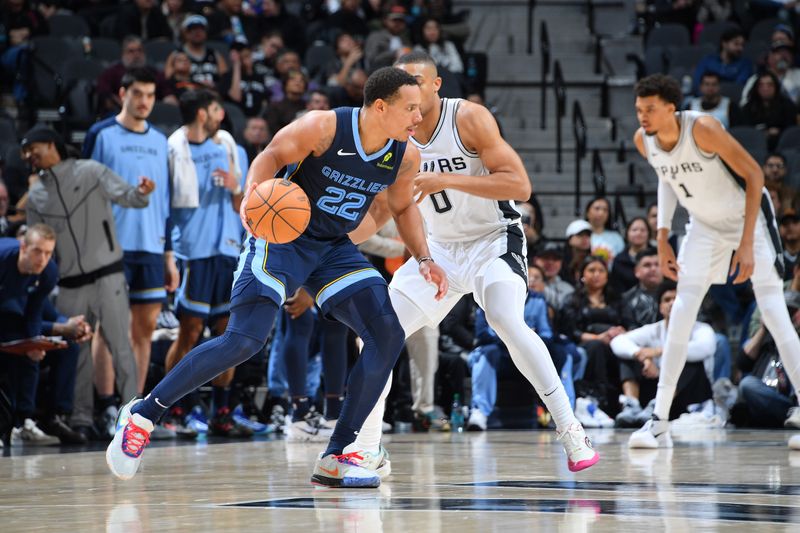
(278,211)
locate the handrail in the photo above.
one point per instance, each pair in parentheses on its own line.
(598,174)
(579,133)
(590,16)
(560,89)
(531,7)
(544,45)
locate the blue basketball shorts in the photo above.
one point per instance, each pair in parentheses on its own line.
(205,289)
(144,272)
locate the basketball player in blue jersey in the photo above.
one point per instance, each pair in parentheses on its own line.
(346,156)
(131,147)
(731,233)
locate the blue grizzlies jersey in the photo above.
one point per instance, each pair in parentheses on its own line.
(342,182)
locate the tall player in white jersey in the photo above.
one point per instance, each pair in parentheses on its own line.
(467,179)
(702,166)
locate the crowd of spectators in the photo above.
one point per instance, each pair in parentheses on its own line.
(188,72)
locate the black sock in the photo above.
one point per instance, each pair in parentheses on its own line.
(300,408)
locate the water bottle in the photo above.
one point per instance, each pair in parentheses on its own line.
(456,415)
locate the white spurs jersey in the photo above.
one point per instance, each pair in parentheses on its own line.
(702,182)
(450,215)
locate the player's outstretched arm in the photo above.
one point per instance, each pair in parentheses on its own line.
(310,134)
(710,136)
(409,220)
(507,179)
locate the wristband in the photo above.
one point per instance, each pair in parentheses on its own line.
(425,258)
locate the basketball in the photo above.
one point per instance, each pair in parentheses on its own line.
(278,211)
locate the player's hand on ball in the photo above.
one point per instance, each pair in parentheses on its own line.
(743,260)
(433,273)
(427,183)
(243,206)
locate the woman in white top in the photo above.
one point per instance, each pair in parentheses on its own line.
(443,52)
(605,241)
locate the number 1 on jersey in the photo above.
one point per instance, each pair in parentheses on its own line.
(685,190)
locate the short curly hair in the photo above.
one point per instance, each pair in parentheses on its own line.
(664,87)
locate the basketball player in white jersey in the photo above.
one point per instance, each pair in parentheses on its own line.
(731,232)
(467,177)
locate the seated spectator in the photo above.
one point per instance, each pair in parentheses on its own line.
(728,62)
(443,52)
(285,60)
(19,23)
(767,109)
(352,92)
(208,65)
(265,55)
(592,320)
(178,70)
(348,20)
(652,224)
(174,12)
(780,61)
(579,235)
(639,303)
(317,101)
(256,136)
(282,113)
(144,19)
(639,352)
(606,242)
(274,16)
(241,85)
(765,390)
(637,236)
(711,100)
(8,223)
(228,23)
(385,45)
(531,225)
(790,236)
(27,275)
(491,353)
(349,56)
(549,257)
(110,80)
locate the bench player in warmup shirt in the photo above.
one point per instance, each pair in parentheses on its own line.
(731,232)
(346,156)
(467,180)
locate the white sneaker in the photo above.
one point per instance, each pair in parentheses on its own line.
(124,454)
(590,415)
(578,447)
(477,421)
(386,427)
(792,418)
(377,462)
(343,471)
(794,442)
(654,434)
(30,435)
(311,429)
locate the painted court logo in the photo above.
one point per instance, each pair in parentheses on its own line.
(384,164)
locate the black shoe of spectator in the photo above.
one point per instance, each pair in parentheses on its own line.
(87,432)
(223,425)
(421,423)
(57,426)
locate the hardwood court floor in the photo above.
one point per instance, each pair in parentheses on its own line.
(713,480)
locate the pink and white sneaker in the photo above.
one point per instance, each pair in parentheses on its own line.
(578,447)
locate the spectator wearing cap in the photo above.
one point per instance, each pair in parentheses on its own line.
(728,62)
(142,18)
(549,256)
(110,80)
(637,237)
(780,61)
(579,244)
(74,196)
(790,235)
(385,45)
(241,85)
(208,65)
(226,22)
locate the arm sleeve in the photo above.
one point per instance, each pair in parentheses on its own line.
(667,201)
(117,189)
(702,343)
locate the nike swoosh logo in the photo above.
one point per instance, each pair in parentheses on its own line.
(340,152)
(332,473)
(551,392)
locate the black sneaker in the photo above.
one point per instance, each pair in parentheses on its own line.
(57,426)
(223,425)
(175,421)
